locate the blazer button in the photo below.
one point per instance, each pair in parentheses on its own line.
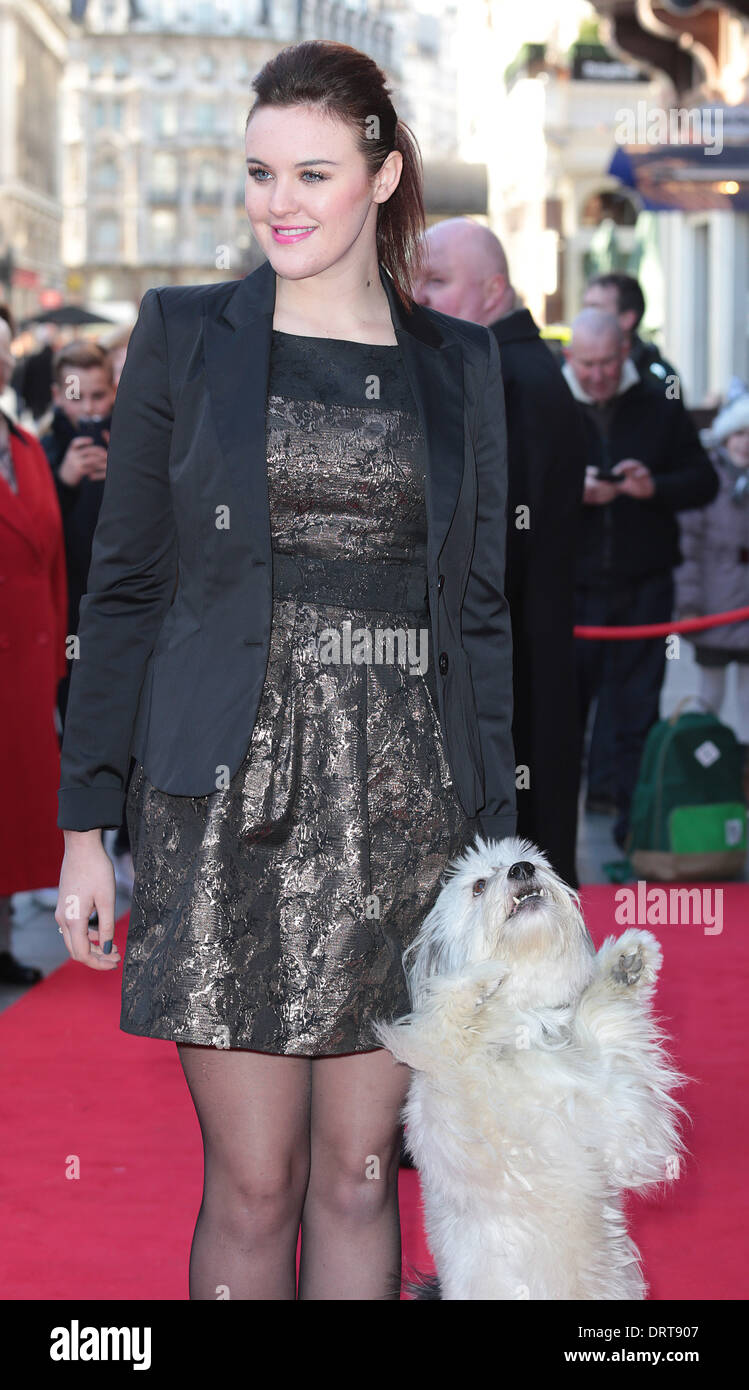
(444,663)
(440,583)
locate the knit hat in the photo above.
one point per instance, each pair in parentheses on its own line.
(731,418)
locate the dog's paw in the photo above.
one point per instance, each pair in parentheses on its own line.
(628,968)
(635,959)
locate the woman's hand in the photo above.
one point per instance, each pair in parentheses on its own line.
(87,882)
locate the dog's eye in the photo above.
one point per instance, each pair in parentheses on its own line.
(479,887)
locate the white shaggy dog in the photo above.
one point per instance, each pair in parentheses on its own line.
(541,1087)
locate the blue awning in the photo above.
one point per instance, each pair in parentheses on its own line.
(685,177)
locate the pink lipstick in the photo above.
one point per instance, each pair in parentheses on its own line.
(290,234)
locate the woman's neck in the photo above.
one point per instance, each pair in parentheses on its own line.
(362,311)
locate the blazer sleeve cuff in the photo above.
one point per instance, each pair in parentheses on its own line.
(90,808)
(497,827)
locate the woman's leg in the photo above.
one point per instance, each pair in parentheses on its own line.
(351,1245)
(253,1109)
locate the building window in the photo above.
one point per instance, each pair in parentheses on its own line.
(204,117)
(205,14)
(208,185)
(206,238)
(164,67)
(105,176)
(163,230)
(205,67)
(165,121)
(106,236)
(164,173)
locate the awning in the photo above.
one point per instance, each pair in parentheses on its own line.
(685,177)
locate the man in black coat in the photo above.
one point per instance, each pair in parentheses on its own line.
(468,277)
(619,294)
(646,464)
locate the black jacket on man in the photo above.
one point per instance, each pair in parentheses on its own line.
(629,537)
(175,626)
(546,467)
(650,363)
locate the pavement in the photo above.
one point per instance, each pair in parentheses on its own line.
(35,939)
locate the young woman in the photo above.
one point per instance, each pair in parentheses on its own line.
(301,461)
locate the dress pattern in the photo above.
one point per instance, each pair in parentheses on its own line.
(272,914)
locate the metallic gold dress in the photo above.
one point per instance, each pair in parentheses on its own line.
(272,914)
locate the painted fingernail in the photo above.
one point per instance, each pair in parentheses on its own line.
(107,946)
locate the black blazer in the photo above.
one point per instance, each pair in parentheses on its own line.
(175,625)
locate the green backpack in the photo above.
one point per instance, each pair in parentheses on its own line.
(688,811)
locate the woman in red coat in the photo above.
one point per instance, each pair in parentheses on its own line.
(33,621)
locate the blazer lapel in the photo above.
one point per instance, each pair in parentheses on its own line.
(237,347)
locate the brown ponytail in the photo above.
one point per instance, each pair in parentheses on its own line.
(348,84)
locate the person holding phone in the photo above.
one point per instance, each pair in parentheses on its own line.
(75,440)
(644,464)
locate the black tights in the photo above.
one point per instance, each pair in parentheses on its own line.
(296,1140)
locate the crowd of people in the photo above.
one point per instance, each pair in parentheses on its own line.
(618,512)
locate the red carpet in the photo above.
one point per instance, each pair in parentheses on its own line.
(78,1094)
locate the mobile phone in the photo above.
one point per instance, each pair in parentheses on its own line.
(92,427)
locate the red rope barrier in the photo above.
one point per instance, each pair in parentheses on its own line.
(618,634)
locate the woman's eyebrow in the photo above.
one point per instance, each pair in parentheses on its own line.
(252,160)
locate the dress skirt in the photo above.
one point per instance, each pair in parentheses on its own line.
(273,913)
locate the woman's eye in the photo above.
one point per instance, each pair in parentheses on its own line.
(312,173)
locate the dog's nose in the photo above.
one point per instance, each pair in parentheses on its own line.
(523,871)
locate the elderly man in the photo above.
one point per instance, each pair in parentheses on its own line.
(621,294)
(467,276)
(646,464)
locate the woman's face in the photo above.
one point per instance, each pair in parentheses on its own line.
(737,448)
(304,171)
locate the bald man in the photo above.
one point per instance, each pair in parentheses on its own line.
(467,276)
(646,464)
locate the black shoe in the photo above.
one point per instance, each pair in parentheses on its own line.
(12,972)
